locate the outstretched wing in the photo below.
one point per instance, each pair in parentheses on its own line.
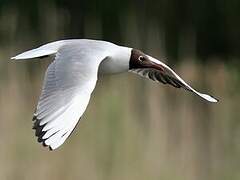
(68,84)
(166,75)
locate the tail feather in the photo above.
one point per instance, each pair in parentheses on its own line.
(45,50)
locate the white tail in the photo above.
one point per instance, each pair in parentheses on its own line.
(45,50)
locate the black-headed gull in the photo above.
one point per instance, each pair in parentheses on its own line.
(72,76)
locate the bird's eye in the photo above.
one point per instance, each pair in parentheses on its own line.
(141,58)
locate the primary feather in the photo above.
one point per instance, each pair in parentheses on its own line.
(67,87)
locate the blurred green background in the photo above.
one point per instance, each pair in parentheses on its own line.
(133,128)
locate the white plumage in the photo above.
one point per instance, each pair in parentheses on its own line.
(71,78)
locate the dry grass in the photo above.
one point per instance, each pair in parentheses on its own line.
(132,129)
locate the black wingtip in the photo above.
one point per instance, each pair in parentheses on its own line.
(39,133)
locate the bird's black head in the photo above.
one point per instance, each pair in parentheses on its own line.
(139,60)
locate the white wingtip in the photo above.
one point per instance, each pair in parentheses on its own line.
(188,87)
(33,54)
(208,98)
(45,50)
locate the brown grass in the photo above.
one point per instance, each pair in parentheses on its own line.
(133,128)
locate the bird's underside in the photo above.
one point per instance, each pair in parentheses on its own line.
(71,78)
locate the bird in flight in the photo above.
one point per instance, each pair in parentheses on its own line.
(71,78)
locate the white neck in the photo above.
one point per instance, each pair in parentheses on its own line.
(117,61)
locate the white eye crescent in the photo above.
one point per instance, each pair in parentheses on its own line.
(141,58)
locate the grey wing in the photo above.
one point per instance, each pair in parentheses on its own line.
(68,84)
(168,76)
